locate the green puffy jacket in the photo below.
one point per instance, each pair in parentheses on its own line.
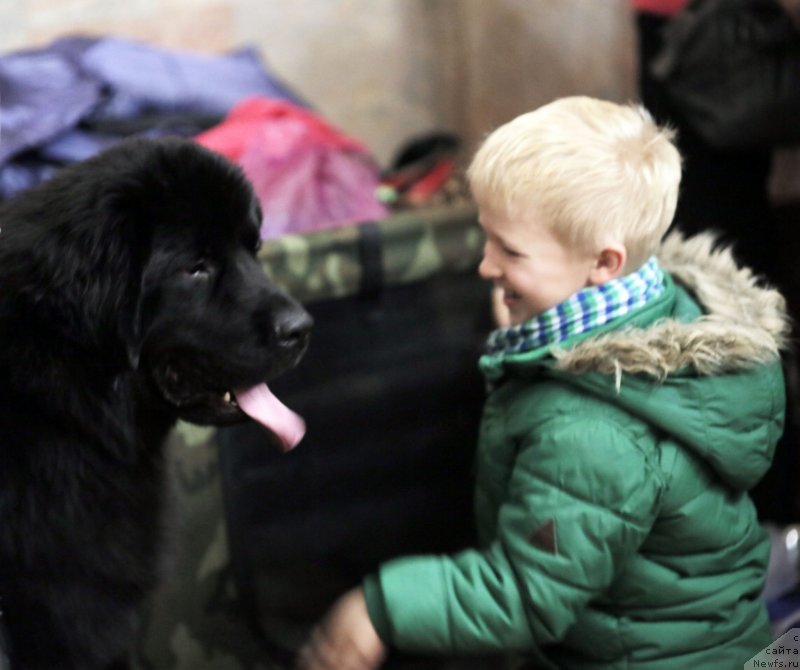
(616,531)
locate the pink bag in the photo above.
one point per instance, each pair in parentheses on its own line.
(306,174)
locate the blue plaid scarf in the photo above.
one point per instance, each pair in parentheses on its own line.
(587,309)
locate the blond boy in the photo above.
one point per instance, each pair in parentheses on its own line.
(634,397)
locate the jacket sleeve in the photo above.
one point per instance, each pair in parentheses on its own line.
(581,498)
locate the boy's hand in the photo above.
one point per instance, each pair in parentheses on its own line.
(345,639)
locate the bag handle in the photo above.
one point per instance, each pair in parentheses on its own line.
(370,257)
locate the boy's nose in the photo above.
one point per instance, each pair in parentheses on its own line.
(487,269)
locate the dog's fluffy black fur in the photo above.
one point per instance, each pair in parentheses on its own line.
(130,296)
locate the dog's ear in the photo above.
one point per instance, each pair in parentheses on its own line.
(80,246)
(84,280)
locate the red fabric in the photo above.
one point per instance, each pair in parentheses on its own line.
(307,175)
(248,119)
(661,7)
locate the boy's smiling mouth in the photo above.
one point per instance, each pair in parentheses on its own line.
(510,297)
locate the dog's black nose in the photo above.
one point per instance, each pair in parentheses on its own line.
(293,328)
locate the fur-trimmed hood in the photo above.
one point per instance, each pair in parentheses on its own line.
(746,322)
(700,363)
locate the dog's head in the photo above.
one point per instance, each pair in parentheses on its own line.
(210,326)
(156,244)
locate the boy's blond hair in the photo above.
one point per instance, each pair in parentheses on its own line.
(595,172)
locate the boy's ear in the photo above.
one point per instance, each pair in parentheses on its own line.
(609,264)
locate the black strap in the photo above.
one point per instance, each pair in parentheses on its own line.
(370,255)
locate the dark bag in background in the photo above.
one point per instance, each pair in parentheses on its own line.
(731,69)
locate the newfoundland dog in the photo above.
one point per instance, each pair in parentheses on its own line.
(130,297)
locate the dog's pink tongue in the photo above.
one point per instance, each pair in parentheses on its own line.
(261,404)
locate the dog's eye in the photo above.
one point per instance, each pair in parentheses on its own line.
(200,268)
(253,244)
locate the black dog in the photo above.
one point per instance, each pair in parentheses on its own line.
(130,296)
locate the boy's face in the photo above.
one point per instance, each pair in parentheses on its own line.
(532,269)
